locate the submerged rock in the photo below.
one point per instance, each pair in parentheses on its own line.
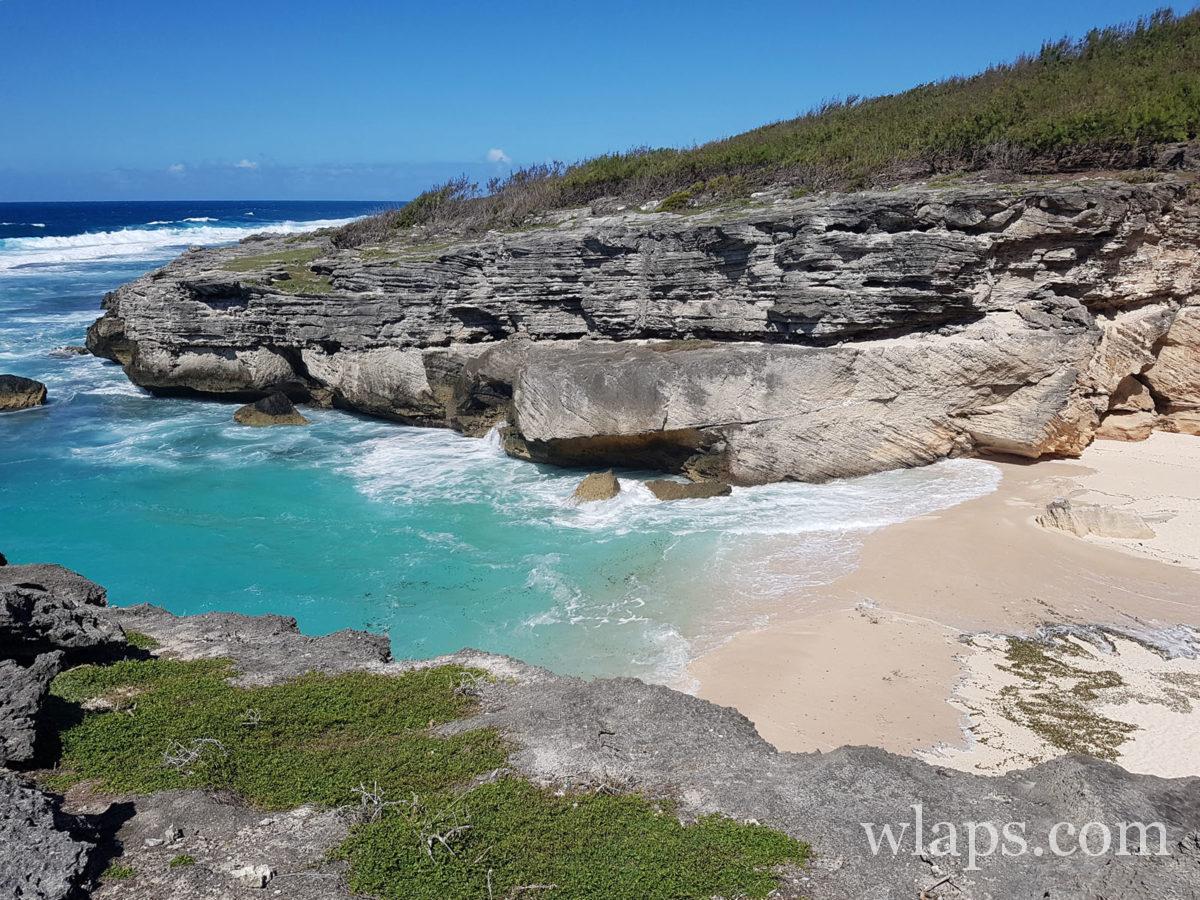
(20,393)
(597,486)
(665,489)
(1086,519)
(70,350)
(275,409)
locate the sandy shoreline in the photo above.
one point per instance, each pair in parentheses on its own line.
(884,655)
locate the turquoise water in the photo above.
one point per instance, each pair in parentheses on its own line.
(436,539)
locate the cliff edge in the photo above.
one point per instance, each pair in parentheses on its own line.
(829,336)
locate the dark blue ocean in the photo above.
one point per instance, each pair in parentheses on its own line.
(439,540)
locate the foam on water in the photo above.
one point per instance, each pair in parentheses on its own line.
(134,243)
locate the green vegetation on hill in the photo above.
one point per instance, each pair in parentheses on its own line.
(1102,100)
(434,825)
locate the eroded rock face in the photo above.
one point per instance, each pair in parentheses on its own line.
(23,691)
(812,339)
(20,393)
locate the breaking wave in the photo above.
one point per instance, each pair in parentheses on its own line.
(133,243)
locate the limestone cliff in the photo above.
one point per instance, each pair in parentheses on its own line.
(804,339)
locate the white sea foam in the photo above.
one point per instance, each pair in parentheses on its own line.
(413,465)
(131,243)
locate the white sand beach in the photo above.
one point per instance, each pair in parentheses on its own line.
(909,651)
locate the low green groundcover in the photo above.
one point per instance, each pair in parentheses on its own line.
(510,839)
(367,740)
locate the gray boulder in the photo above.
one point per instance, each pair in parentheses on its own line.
(23,690)
(39,858)
(45,608)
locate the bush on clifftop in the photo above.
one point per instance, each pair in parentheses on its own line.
(1105,100)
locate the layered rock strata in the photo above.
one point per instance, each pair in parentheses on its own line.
(809,339)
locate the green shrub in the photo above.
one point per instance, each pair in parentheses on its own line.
(507,835)
(1110,95)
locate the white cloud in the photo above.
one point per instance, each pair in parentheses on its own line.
(497,155)
(245,164)
(177,168)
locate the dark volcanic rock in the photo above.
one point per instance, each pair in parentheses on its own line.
(23,690)
(45,608)
(274,409)
(20,393)
(39,859)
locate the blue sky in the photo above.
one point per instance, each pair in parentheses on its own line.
(366,99)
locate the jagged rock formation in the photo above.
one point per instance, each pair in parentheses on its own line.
(45,609)
(20,393)
(808,339)
(39,858)
(23,691)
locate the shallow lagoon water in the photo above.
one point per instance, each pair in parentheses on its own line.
(439,540)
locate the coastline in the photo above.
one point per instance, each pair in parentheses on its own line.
(906,614)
